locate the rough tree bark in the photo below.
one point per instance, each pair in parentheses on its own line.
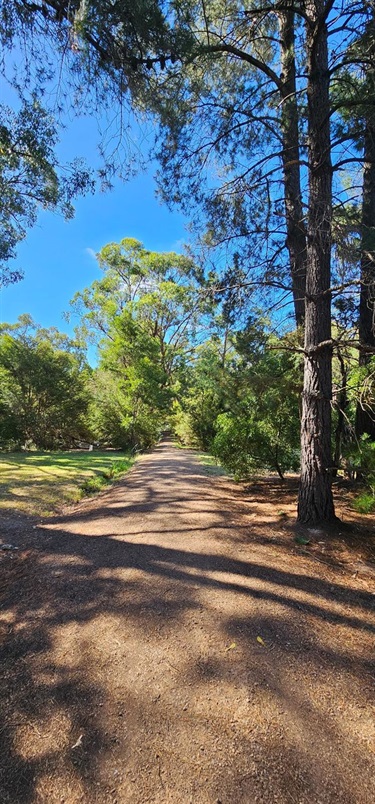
(315,503)
(295,226)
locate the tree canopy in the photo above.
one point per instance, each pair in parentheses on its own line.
(146,314)
(265,119)
(43,395)
(31,178)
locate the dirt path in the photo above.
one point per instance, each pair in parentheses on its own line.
(166,642)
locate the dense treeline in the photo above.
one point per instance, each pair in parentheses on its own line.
(44,393)
(265,120)
(169,357)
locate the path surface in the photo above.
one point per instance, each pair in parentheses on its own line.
(166,646)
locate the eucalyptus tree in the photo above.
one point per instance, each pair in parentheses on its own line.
(184,62)
(146,314)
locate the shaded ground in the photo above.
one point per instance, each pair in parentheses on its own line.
(169,642)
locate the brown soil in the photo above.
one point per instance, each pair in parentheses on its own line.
(170,642)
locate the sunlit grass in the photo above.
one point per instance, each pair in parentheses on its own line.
(211,464)
(40,483)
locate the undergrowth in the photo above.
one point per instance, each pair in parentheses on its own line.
(94,484)
(364,503)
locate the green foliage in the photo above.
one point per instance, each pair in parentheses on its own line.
(74,58)
(43,393)
(243,403)
(233,130)
(361,386)
(359,462)
(98,38)
(144,314)
(117,418)
(206,391)
(94,484)
(364,503)
(31,177)
(261,435)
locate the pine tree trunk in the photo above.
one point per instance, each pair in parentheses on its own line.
(315,504)
(296,231)
(365,421)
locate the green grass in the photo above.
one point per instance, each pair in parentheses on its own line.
(39,483)
(211,464)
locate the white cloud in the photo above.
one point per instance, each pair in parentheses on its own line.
(91,252)
(178,246)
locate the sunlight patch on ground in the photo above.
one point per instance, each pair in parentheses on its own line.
(40,483)
(211,464)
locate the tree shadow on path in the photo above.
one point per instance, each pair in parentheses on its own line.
(139,645)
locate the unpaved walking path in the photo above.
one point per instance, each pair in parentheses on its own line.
(166,644)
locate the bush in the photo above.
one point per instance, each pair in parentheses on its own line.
(364,503)
(94,484)
(360,463)
(246,444)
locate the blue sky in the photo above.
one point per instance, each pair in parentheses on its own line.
(58,256)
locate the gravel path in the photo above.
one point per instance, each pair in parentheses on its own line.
(166,643)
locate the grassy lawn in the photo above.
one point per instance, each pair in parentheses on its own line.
(40,483)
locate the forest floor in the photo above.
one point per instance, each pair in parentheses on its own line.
(170,641)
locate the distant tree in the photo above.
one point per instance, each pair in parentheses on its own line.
(243,402)
(43,394)
(203,56)
(145,314)
(209,388)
